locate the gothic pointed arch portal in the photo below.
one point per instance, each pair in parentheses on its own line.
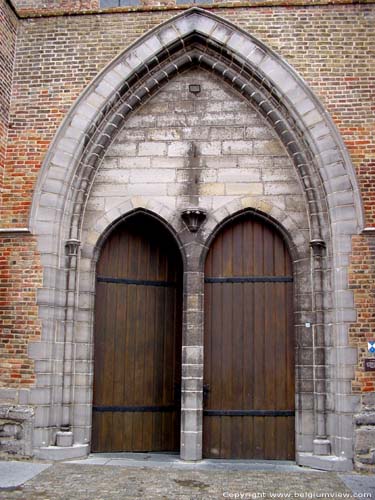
(205,42)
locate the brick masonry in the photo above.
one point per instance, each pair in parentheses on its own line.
(8,29)
(35,8)
(57,57)
(320,33)
(20,277)
(362,270)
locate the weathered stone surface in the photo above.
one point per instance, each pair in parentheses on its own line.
(365,418)
(364,443)
(136,163)
(365,439)
(16,423)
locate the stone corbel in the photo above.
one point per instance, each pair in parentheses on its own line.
(71,247)
(193,218)
(318,247)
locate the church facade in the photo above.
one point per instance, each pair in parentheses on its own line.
(187,233)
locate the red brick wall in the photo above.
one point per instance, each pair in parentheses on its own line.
(31,8)
(43,7)
(362,279)
(20,276)
(8,29)
(330,46)
(56,59)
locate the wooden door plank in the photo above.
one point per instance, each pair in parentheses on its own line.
(236,335)
(248,347)
(259,438)
(258,360)
(270,450)
(120,313)
(226,365)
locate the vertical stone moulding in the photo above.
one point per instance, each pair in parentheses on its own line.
(321,445)
(64,437)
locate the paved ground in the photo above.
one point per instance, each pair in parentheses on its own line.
(15,473)
(143,476)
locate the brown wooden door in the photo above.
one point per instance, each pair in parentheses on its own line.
(248,360)
(137,351)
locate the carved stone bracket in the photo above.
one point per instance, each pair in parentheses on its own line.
(193,218)
(71,247)
(318,246)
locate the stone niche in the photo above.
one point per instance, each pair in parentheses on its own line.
(16,424)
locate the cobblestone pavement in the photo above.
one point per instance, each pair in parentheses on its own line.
(73,481)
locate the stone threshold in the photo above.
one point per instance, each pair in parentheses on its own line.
(173,461)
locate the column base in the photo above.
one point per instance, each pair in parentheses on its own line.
(191,446)
(322,447)
(324,462)
(64,438)
(62,452)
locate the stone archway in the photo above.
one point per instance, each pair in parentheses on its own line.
(202,40)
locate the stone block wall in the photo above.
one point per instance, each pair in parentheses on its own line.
(202,150)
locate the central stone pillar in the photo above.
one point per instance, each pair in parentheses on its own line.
(192,353)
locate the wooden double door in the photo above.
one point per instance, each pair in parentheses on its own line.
(248,409)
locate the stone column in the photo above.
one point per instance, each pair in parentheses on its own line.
(321,445)
(192,341)
(65,436)
(192,368)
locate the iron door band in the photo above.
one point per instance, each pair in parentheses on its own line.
(249,413)
(128,281)
(134,409)
(209,413)
(250,279)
